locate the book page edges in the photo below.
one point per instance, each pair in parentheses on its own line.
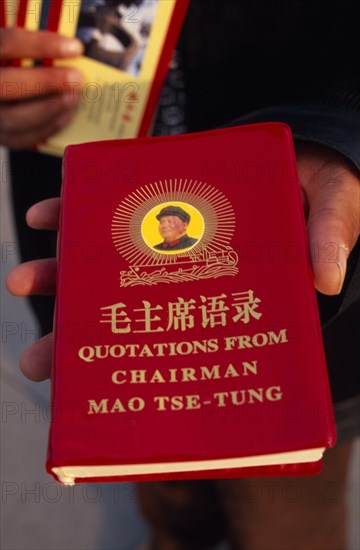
(68,474)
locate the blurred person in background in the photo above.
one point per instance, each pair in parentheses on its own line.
(105,36)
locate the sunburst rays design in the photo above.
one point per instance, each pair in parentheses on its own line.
(216,209)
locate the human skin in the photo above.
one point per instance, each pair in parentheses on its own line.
(36,102)
(172,228)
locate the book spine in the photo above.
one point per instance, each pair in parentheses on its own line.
(2,15)
(53,23)
(168,48)
(20,22)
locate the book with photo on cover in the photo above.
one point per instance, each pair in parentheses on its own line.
(127,50)
(187,336)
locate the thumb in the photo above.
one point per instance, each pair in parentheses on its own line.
(329,250)
(333,225)
(35,362)
(331,185)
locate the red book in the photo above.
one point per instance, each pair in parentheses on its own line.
(187,337)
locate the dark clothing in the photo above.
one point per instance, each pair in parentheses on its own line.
(35,177)
(179,244)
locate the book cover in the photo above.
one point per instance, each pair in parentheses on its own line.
(28,17)
(28,14)
(9,9)
(3,16)
(127,49)
(187,337)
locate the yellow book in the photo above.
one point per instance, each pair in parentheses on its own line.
(126,55)
(11,7)
(32,23)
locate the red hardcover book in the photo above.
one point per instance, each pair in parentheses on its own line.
(187,338)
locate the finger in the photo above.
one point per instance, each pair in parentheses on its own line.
(333,228)
(35,136)
(44,214)
(35,362)
(329,254)
(35,277)
(16,42)
(26,116)
(26,83)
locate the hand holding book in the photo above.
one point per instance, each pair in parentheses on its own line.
(39,277)
(331,201)
(35,101)
(117,71)
(332,193)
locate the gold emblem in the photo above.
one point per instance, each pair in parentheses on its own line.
(175,231)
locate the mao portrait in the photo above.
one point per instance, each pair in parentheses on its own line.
(173,226)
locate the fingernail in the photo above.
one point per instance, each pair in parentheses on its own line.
(341,262)
(71,46)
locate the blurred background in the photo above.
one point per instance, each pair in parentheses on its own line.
(36,512)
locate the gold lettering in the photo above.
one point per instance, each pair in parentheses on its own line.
(138,377)
(251,396)
(118,407)
(146,351)
(260,340)
(173,375)
(176,403)
(184,348)
(257,340)
(96,408)
(136,404)
(87,354)
(172,346)
(157,377)
(256,395)
(207,374)
(132,349)
(244,342)
(220,396)
(102,354)
(184,374)
(193,402)
(115,377)
(202,346)
(160,349)
(277,338)
(274,393)
(188,374)
(161,400)
(252,367)
(230,342)
(117,351)
(231,372)
(213,345)
(234,397)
